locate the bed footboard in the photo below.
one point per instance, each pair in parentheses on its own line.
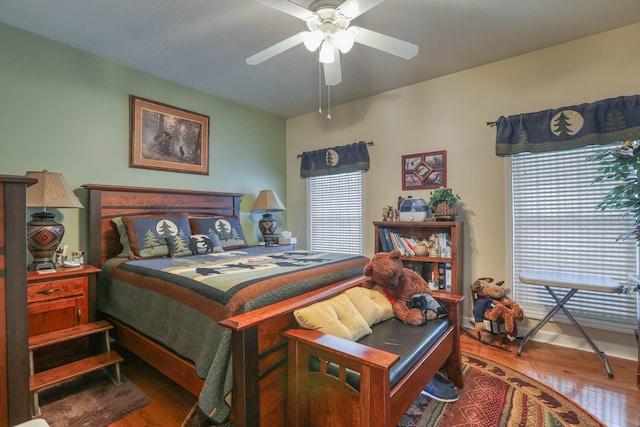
(260,357)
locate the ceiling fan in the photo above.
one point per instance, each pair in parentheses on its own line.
(328,29)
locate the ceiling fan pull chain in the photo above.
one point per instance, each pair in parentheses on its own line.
(329,102)
(319,87)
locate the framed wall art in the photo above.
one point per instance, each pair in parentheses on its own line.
(168,138)
(424,170)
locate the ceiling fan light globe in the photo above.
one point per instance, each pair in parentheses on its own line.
(344,40)
(312,40)
(326,53)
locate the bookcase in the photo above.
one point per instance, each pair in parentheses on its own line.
(426,266)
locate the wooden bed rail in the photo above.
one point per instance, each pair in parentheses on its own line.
(260,351)
(255,317)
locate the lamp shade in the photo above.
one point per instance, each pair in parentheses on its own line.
(268,201)
(51,190)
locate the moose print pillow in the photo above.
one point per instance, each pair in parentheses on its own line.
(226,228)
(198,244)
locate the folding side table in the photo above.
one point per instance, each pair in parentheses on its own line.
(575,283)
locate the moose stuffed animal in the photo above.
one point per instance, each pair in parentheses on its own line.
(492,304)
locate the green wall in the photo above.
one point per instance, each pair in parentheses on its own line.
(67,111)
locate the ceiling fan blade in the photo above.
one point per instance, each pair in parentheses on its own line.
(353,8)
(333,70)
(384,43)
(276,49)
(289,8)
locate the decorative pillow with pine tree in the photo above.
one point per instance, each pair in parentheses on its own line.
(148,234)
(226,228)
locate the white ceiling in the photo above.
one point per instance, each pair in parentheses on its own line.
(203,44)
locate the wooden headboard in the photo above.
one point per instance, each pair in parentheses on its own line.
(109,201)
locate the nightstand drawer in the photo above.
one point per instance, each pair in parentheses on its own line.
(57,289)
(58,301)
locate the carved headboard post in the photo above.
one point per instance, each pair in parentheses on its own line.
(95,202)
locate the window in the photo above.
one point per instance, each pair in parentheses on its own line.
(336,212)
(557,227)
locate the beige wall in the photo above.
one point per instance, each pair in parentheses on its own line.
(450,113)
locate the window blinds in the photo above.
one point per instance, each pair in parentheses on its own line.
(556,227)
(336,212)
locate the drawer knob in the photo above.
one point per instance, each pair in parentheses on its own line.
(48,291)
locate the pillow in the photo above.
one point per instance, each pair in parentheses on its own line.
(124,237)
(335,316)
(197,244)
(226,228)
(372,304)
(148,233)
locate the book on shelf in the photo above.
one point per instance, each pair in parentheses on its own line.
(444,245)
(387,239)
(399,243)
(383,242)
(447,276)
(394,240)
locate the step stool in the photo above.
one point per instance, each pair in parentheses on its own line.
(68,371)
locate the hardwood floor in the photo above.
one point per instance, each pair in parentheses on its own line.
(577,374)
(169,403)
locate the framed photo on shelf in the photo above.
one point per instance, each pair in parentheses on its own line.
(168,138)
(424,170)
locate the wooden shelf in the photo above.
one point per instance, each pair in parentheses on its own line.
(71,370)
(55,337)
(67,371)
(422,230)
(426,259)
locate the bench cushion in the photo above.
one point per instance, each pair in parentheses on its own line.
(392,335)
(335,316)
(372,304)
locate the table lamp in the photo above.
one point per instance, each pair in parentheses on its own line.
(267,202)
(44,234)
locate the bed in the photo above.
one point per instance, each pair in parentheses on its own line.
(234,302)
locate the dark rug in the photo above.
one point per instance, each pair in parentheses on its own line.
(91,400)
(497,396)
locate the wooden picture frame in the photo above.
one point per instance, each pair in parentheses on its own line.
(424,170)
(168,138)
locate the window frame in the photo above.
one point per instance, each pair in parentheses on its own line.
(582,305)
(321,237)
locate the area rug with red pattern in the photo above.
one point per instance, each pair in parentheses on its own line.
(495,395)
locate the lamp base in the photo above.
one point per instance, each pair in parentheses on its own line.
(267,226)
(44,235)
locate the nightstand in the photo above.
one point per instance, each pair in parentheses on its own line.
(59,301)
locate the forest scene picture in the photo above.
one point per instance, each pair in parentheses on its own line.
(168,138)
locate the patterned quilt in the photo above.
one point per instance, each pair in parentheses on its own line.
(178,301)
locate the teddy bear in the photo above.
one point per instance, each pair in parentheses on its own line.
(400,285)
(493,304)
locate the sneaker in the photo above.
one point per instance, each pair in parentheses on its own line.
(442,380)
(440,392)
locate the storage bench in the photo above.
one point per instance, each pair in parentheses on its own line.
(373,381)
